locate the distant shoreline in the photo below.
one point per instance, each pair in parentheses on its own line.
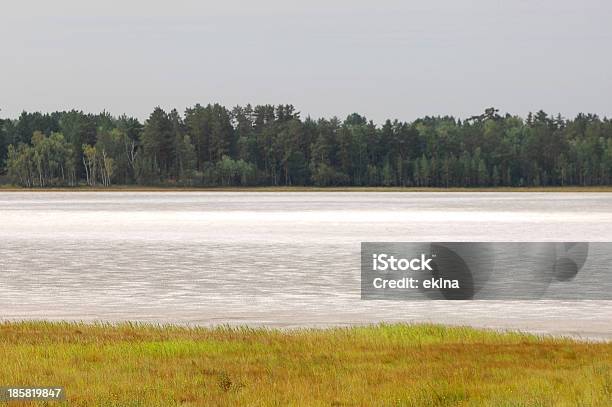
(137,188)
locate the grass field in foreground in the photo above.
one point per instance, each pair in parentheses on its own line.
(429,365)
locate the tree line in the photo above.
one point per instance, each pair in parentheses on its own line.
(272,145)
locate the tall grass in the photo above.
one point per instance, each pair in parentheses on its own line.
(148,365)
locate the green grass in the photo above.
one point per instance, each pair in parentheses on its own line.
(390,365)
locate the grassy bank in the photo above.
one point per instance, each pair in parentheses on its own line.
(134,365)
(139,188)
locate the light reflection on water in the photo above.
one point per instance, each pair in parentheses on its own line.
(263,258)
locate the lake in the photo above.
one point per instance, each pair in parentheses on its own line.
(264,258)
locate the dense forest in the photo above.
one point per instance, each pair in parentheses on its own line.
(272,145)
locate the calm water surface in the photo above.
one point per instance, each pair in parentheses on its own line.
(263,258)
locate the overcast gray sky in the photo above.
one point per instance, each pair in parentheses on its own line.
(383,58)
